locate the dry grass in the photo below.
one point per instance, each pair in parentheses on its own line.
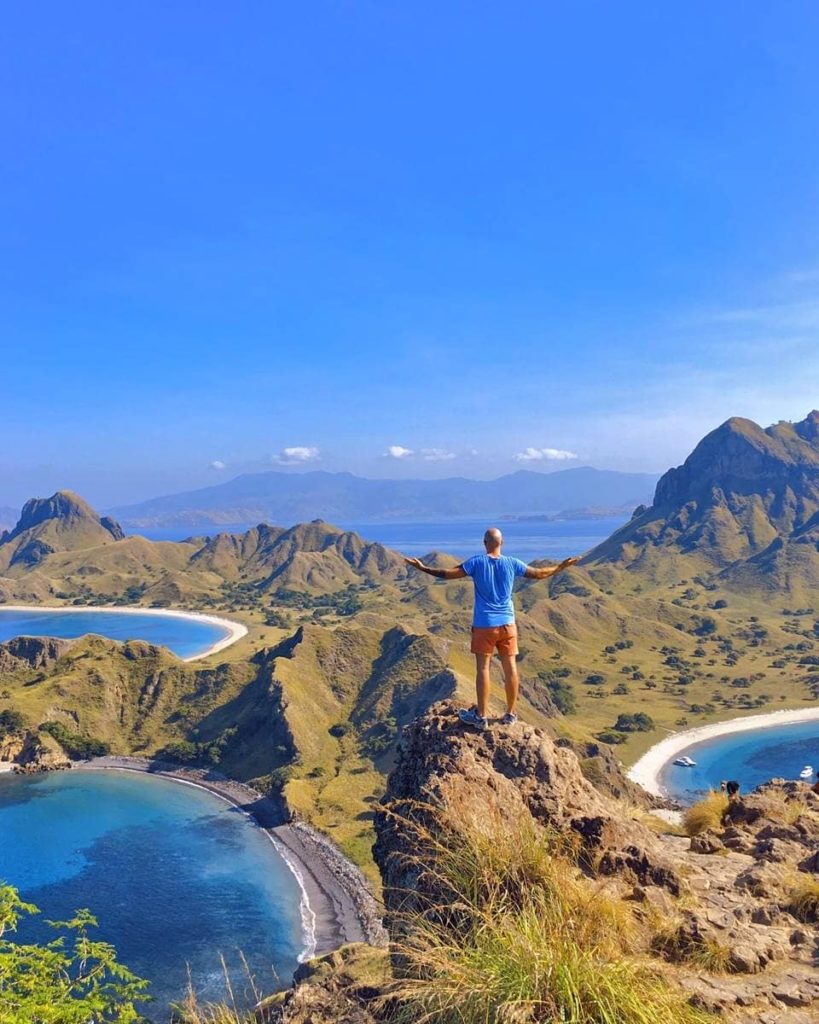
(705,814)
(803,900)
(781,808)
(675,943)
(192,1011)
(518,935)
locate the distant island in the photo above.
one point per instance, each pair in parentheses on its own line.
(573,514)
(278,497)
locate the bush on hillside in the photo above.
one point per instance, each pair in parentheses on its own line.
(804,900)
(638,722)
(560,691)
(11,722)
(612,737)
(77,746)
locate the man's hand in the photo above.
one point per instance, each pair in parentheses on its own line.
(546,572)
(416,563)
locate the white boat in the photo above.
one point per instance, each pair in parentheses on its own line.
(807,772)
(685,762)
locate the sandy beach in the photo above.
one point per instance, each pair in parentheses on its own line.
(646,771)
(235,630)
(337,906)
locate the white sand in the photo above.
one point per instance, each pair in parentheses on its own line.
(235,630)
(646,771)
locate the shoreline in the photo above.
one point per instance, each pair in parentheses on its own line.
(647,769)
(336,904)
(235,630)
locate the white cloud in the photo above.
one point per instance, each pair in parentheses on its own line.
(544,455)
(397,451)
(296,455)
(436,455)
(218,464)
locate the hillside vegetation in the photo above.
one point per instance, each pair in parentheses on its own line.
(699,608)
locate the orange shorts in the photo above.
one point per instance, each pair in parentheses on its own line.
(486,639)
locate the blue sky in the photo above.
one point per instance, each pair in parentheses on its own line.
(473,234)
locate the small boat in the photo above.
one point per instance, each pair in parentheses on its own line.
(807,772)
(685,762)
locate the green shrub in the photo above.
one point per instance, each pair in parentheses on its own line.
(11,721)
(560,691)
(76,745)
(639,722)
(612,737)
(74,979)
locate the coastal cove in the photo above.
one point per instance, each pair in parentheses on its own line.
(189,635)
(136,842)
(755,748)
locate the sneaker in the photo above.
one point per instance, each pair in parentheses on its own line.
(509,718)
(470,716)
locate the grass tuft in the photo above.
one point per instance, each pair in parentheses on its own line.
(803,900)
(518,935)
(706,813)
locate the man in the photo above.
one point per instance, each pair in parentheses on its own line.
(493,621)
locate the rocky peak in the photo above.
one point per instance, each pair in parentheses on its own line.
(808,428)
(742,502)
(63,505)
(511,772)
(740,457)
(62,522)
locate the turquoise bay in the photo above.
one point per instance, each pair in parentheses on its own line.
(176,877)
(186,637)
(751,758)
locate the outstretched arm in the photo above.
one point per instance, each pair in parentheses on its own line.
(440,574)
(546,571)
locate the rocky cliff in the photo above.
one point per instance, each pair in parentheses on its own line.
(728,918)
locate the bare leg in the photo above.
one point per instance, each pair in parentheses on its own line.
(482,684)
(510,680)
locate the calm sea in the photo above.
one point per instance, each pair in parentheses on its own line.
(749,757)
(459,538)
(175,876)
(185,637)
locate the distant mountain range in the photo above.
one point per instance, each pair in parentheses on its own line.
(61,545)
(342,497)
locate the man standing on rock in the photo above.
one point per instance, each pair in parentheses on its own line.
(493,620)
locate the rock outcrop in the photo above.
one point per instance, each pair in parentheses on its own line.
(33,752)
(730,897)
(731,913)
(22,653)
(508,772)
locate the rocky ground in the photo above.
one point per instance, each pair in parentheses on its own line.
(731,930)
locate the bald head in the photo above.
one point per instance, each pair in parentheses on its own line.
(493,539)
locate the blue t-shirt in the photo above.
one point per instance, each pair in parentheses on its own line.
(493,579)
